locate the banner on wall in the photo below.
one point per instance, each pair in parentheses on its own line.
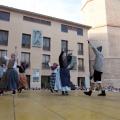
(37,38)
(35,75)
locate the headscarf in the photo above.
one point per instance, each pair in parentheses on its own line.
(13,54)
(54,66)
(99,48)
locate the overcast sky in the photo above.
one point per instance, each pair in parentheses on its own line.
(64,9)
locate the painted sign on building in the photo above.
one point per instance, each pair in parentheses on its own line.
(35,75)
(37,38)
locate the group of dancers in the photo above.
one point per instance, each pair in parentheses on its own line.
(59,78)
(10,80)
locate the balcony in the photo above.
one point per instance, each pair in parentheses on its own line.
(25,45)
(46,48)
(80,52)
(81,68)
(3,42)
(45,65)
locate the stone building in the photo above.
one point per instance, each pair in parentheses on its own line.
(104,17)
(40,39)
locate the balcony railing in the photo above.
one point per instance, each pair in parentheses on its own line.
(3,42)
(46,48)
(81,68)
(80,52)
(45,65)
(25,45)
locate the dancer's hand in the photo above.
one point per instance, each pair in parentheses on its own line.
(88,41)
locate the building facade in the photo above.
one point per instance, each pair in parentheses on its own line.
(104,17)
(40,39)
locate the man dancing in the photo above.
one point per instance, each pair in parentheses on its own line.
(98,70)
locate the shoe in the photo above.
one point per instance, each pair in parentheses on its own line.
(56,90)
(88,93)
(51,90)
(63,93)
(13,93)
(1,93)
(102,94)
(66,93)
(20,90)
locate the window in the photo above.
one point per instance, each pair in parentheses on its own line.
(80,49)
(26,40)
(80,64)
(25,57)
(79,31)
(64,45)
(4,16)
(46,43)
(3,37)
(64,28)
(45,60)
(3,53)
(36,20)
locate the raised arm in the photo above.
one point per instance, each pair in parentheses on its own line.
(6,58)
(94,49)
(69,58)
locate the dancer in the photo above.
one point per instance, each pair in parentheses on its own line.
(64,72)
(53,75)
(58,85)
(98,70)
(22,77)
(2,70)
(9,80)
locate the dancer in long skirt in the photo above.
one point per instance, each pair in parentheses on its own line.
(53,76)
(9,80)
(22,77)
(65,72)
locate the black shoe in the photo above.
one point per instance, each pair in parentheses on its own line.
(63,93)
(1,92)
(56,90)
(13,93)
(20,90)
(66,93)
(88,93)
(102,94)
(51,90)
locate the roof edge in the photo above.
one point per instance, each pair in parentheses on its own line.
(44,16)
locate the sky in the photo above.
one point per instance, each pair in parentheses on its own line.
(63,9)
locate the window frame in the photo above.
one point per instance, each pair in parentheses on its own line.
(45,40)
(5,13)
(81,67)
(63,29)
(45,63)
(26,35)
(25,58)
(3,42)
(80,52)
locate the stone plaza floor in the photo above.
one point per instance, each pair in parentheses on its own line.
(44,105)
